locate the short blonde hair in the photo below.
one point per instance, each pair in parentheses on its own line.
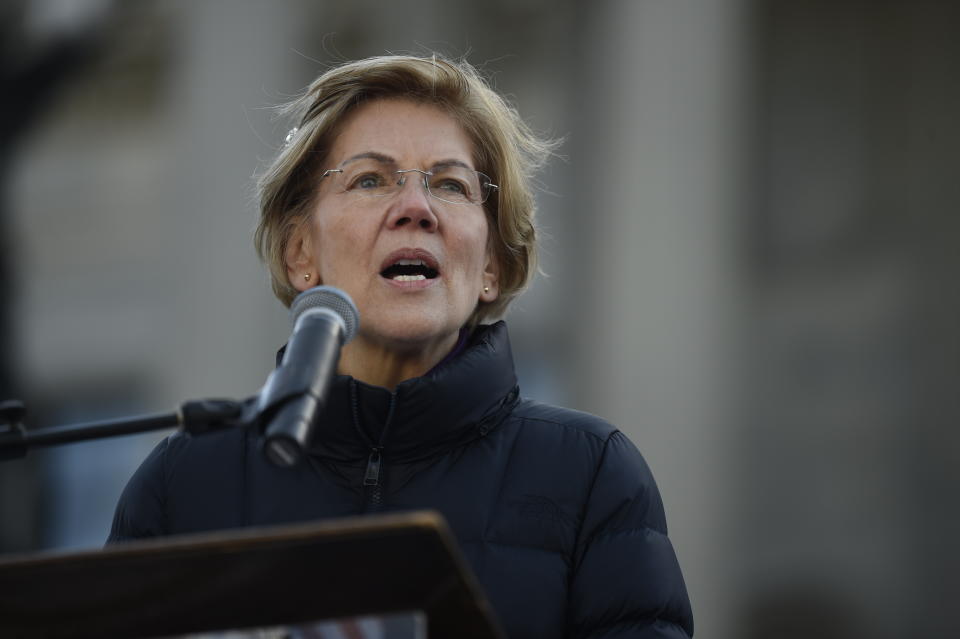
(504,147)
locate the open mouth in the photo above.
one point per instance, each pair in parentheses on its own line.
(409,270)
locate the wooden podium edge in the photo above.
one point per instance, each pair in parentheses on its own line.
(447,596)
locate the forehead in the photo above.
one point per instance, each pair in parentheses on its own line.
(410,132)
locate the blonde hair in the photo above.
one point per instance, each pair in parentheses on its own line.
(504,147)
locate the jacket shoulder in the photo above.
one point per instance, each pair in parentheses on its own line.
(586,423)
(626,580)
(187,483)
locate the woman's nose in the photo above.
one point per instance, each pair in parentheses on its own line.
(412,206)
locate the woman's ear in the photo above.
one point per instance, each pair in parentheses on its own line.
(491,279)
(301,271)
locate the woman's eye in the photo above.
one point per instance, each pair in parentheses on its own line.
(452,186)
(368,181)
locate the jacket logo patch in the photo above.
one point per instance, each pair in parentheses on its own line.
(539,507)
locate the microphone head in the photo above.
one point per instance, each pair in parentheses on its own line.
(328,297)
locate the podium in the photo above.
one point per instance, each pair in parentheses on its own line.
(250,578)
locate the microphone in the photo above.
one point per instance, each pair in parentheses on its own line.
(324,319)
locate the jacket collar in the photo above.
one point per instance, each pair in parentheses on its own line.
(452,404)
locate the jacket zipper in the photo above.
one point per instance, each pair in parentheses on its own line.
(373,476)
(373,491)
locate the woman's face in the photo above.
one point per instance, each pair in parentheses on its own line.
(355,243)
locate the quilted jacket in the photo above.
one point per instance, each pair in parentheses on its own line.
(555,510)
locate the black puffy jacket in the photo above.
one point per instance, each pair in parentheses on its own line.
(555,510)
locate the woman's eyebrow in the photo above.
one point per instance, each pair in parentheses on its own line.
(369,155)
(451,162)
(386,159)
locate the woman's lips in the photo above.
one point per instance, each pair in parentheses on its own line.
(410,268)
(412,284)
(410,254)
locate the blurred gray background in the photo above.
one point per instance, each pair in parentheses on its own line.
(751,242)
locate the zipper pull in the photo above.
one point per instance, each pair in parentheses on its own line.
(372,476)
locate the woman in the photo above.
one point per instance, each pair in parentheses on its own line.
(406,184)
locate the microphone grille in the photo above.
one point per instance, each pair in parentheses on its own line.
(333,299)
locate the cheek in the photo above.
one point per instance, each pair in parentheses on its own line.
(480,243)
(337,242)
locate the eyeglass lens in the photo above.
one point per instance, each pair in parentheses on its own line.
(450,183)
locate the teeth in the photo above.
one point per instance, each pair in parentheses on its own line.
(409,263)
(409,278)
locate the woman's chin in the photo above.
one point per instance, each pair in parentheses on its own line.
(414,336)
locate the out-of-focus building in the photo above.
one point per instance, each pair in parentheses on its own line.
(749,246)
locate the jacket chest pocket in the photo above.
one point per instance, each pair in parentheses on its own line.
(535,521)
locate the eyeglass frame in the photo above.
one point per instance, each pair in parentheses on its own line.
(488,188)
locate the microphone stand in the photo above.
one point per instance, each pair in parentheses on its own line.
(195,417)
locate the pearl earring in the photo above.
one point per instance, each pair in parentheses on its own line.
(486,289)
(306,276)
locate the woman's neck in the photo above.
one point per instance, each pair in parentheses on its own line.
(387,365)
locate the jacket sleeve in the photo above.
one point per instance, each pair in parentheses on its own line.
(141,509)
(626,580)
